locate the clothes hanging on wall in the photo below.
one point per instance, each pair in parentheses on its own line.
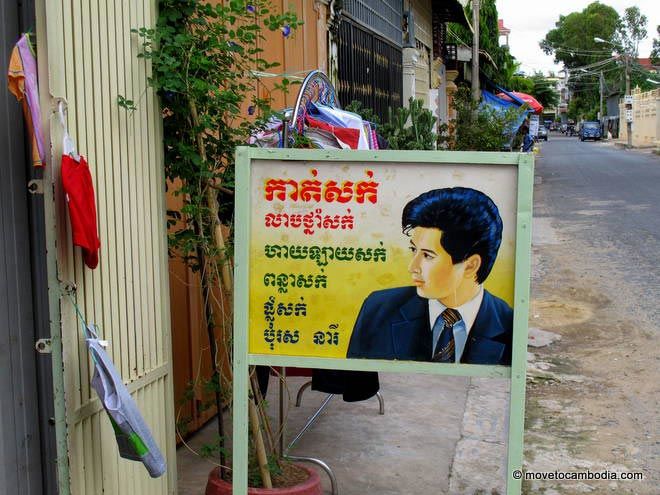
(22,80)
(133,436)
(80,198)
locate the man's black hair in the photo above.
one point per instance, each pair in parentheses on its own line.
(469,220)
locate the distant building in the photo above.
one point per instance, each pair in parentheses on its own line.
(648,65)
(503,31)
(564,97)
(553,112)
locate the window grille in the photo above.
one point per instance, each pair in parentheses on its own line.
(382,16)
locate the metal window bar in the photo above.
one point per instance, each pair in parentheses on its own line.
(370,69)
(381,16)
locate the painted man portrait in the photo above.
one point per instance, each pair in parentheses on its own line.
(446,315)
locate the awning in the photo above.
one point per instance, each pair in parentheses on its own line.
(450,11)
(525,98)
(498,102)
(488,99)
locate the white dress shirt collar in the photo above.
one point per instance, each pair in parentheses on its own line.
(468,311)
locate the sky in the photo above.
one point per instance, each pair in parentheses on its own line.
(529,26)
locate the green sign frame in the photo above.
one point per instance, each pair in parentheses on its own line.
(243,359)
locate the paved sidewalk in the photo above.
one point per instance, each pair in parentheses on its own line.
(423,444)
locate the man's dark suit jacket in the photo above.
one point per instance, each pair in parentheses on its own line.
(394,324)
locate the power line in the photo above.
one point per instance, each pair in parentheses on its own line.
(593,65)
(594,73)
(574,51)
(457,38)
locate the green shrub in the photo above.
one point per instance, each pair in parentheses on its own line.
(481,128)
(407,128)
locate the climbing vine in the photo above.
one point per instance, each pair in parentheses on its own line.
(206,59)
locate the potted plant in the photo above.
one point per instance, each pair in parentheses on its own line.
(298,480)
(205,59)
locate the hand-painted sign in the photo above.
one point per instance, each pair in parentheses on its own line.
(383,261)
(337,250)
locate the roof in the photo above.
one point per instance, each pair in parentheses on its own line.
(501,29)
(647,64)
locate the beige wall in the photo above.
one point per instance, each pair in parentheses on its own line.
(424,43)
(91,59)
(646,119)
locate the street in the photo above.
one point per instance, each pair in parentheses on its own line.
(592,398)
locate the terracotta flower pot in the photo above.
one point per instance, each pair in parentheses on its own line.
(311,486)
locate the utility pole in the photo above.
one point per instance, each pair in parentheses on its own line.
(600,114)
(628,97)
(628,105)
(475,51)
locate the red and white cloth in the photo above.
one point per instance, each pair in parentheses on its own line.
(80,198)
(348,138)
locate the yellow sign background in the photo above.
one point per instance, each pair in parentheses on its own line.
(329,313)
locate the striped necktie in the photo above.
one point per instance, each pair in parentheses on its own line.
(445,348)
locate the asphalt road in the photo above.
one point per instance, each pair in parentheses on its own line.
(592,395)
(610,199)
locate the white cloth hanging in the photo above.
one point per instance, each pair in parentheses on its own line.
(68,145)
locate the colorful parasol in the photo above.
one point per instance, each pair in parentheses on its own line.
(529,99)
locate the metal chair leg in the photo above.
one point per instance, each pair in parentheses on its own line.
(304,387)
(310,421)
(322,465)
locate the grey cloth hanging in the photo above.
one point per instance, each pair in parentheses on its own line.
(132,433)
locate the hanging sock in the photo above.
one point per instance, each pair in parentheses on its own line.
(22,79)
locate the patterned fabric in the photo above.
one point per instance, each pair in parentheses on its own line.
(445,348)
(374,139)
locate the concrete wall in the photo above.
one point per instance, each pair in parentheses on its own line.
(424,45)
(646,119)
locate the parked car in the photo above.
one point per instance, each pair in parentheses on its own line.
(590,130)
(542,134)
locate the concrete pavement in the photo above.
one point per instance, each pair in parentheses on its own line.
(440,435)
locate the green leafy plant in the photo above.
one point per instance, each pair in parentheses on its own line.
(407,128)
(500,65)
(475,128)
(410,128)
(205,59)
(366,113)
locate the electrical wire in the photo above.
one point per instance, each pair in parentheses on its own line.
(594,65)
(593,73)
(457,38)
(579,51)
